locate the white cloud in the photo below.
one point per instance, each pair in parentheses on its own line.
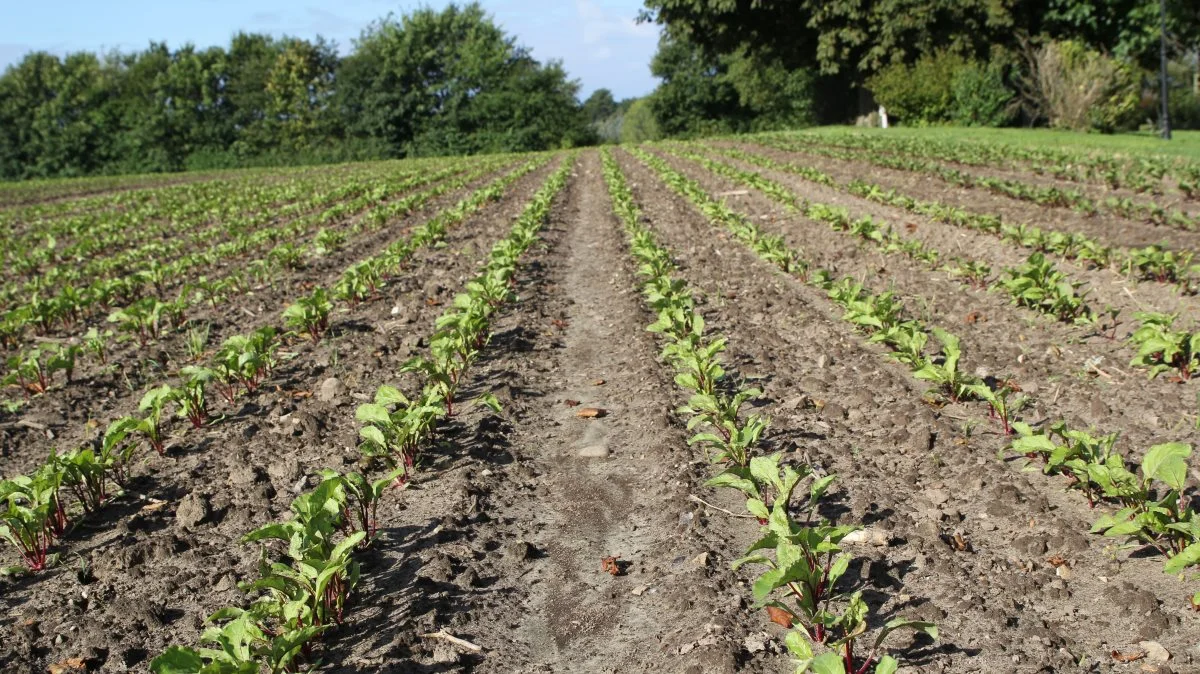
(599,25)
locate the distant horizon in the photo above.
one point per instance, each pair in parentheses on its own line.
(598,41)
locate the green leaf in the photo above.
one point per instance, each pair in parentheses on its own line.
(177,660)
(798,645)
(373,413)
(389,395)
(489,401)
(828,663)
(1190,556)
(1168,462)
(887,665)
(373,435)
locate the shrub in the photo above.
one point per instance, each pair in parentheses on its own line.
(980,96)
(921,93)
(1184,106)
(1074,87)
(639,124)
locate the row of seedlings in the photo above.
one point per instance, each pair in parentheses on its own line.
(35,516)
(1144,173)
(301,598)
(1156,263)
(1035,285)
(149,318)
(801,552)
(1043,195)
(1154,509)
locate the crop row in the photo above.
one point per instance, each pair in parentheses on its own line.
(1153,510)
(1140,173)
(800,551)
(129,240)
(1152,263)
(35,516)
(1042,195)
(101,226)
(146,317)
(302,592)
(242,225)
(1036,285)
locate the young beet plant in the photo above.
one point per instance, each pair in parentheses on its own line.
(1039,286)
(1155,510)
(1162,349)
(298,597)
(395,428)
(31,516)
(310,314)
(802,556)
(193,405)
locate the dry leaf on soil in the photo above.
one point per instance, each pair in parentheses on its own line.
(1132,656)
(591,413)
(68,665)
(611,566)
(779,616)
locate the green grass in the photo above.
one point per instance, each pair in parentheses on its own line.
(1183,144)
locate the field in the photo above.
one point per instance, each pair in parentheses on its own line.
(531,413)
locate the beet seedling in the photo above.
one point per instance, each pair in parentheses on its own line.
(154,403)
(64,359)
(310,314)
(975,273)
(192,402)
(997,399)
(86,474)
(1039,286)
(1169,523)
(27,373)
(1158,264)
(400,433)
(245,360)
(360,498)
(850,626)
(313,589)
(97,343)
(807,560)
(142,319)
(1162,349)
(907,341)
(196,342)
(25,521)
(956,385)
(243,645)
(1076,454)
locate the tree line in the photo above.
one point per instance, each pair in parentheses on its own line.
(426,83)
(738,65)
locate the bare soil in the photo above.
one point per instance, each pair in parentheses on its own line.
(500,539)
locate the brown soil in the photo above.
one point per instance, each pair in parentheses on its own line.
(500,539)
(911,471)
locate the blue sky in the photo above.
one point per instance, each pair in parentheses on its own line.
(597,40)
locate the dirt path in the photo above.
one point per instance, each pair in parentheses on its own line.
(524,579)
